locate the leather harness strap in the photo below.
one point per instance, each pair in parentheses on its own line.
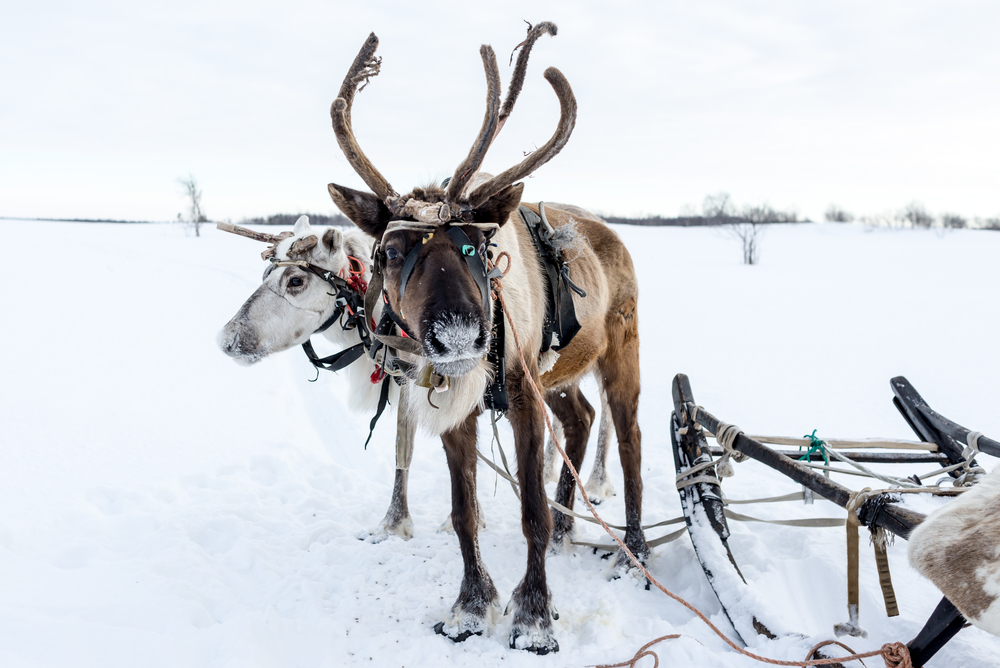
(560,312)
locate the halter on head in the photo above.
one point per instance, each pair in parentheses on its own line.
(349,300)
(475,261)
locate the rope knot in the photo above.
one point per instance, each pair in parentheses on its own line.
(726,435)
(970,474)
(896,655)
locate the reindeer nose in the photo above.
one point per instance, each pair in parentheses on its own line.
(456,335)
(227,340)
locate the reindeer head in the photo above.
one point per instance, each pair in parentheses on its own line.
(293,301)
(433,240)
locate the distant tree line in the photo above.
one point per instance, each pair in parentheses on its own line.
(290,218)
(769,216)
(718,209)
(914,215)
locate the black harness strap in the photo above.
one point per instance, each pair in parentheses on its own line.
(408,264)
(334,362)
(394,317)
(474,261)
(496,394)
(383,399)
(349,301)
(560,312)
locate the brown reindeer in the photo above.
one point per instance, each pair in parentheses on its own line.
(433,249)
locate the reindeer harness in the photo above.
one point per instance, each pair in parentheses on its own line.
(349,300)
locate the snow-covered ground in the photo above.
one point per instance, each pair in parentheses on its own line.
(162,506)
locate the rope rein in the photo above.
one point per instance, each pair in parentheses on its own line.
(895,655)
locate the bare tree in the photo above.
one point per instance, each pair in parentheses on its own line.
(916,215)
(834,214)
(953,221)
(193,194)
(748,227)
(719,205)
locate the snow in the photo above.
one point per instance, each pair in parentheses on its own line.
(162,506)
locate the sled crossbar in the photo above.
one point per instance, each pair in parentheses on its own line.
(863,457)
(891,517)
(702,501)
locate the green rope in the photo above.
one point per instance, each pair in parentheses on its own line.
(816,445)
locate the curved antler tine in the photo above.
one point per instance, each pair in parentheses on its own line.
(365,66)
(472,162)
(251,234)
(517,79)
(567,119)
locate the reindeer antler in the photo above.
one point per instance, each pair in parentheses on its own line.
(492,124)
(517,79)
(567,120)
(250,234)
(472,162)
(273,239)
(365,66)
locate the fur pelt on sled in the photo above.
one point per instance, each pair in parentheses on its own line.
(958,549)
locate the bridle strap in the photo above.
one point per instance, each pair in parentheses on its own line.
(396,318)
(375,285)
(407,270)
(475,263)
(337,361)
(346,299)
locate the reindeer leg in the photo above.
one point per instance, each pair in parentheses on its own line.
(576,415)
(619,368)
(531,601)
(599,488)
(397,520)
(477,607)
(553,462)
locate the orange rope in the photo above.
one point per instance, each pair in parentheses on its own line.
(895,655)
(641,653)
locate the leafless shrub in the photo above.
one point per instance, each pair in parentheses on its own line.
(989,223)
(834,214)
(953,221)
(876,220)
(916,215)
(749,228)
(719,205)
(192,193)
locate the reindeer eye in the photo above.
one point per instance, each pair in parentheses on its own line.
(295,282)
(391,254)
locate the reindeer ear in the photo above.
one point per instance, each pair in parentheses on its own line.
(333,239)
(365,210)
(499,207)
(301,226)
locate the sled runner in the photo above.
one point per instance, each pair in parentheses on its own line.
(701,467)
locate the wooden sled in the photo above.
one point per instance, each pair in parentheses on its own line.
(705,512)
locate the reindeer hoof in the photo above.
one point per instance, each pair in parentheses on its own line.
(461,637)
(563,531)
(625,566)
(539,642)
(598,491)
(402,527)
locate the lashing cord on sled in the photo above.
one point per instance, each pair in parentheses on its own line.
(895,655)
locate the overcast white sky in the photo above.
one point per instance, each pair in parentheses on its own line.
(798,104)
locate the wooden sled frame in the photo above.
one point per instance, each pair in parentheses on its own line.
(703,505)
